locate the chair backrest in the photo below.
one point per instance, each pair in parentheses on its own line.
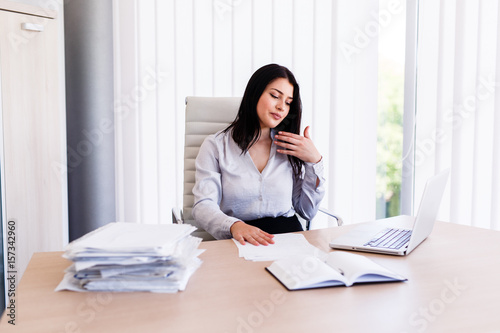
(204,116)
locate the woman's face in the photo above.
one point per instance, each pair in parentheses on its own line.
(274,103)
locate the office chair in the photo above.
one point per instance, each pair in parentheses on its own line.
(205,116)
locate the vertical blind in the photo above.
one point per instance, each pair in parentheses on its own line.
(458,107)
(169,49)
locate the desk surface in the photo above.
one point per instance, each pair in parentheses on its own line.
(453,285)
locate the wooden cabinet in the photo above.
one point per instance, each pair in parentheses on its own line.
(34,185)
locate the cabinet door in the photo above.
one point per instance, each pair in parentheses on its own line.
(33,135)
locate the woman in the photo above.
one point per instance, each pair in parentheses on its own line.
(252,177)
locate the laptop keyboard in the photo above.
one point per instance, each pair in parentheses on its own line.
(390,238)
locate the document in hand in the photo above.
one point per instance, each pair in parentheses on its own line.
(132,257)
(339,269)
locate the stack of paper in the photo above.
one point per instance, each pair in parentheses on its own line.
(133,257)
(285,245)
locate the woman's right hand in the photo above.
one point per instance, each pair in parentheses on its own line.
(244,232)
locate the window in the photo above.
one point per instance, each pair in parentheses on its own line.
(390,108)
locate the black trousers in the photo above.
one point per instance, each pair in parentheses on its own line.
(277,225)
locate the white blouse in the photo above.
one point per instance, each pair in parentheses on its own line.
(230,188)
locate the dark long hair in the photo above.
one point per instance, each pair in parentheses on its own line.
(246,126)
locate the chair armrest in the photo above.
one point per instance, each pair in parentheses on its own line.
(176,216)
(327,212)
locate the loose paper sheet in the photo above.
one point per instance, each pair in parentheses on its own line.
(284,245)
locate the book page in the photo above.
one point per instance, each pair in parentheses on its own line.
(304,271)
(357,268)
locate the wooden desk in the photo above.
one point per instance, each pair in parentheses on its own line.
(453,286)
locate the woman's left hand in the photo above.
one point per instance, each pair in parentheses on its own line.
(301,147)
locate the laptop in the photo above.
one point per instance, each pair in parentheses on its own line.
(398,235)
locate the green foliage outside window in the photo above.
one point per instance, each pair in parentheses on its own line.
(389,139)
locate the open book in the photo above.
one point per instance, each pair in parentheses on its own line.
(338,269)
